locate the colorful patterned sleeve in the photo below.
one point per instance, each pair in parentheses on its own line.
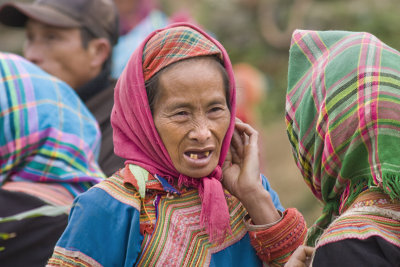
(100,227)
(275,243)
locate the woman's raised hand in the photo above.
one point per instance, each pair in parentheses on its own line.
(241,175)
(241,171)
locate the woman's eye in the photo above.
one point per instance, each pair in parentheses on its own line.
(216,109)
(181,113)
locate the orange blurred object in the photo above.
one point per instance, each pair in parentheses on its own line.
(251,87)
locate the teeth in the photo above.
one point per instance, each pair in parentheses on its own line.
(196,156)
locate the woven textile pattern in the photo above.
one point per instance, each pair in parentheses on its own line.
(175,237)
(47,134)
(378,219)
(178,238)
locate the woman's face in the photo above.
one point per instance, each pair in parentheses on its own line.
(191,115)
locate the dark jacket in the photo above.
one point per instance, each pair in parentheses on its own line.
(98,96)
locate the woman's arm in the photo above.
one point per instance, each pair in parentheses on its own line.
(274,235)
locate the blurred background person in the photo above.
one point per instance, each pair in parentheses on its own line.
(137,19)
(73,41)
(49,144)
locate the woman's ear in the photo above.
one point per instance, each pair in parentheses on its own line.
(99,50)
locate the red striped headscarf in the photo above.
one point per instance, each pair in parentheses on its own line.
(135,136)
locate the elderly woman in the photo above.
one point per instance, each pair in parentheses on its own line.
(49,143)
(173,120)
(343,121)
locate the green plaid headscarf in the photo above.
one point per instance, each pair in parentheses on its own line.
(343,117)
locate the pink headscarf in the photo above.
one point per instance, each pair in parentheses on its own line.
(136,138)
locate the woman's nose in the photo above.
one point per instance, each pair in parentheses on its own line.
(201,131)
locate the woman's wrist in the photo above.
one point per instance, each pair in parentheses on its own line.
(275,243)
(260,207)
(259,227)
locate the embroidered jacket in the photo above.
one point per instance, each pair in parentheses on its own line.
(135,219)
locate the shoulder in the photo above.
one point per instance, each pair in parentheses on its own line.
(114,186)
(355,224)
(104,211)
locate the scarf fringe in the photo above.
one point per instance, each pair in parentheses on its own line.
(214,214)
(391,185)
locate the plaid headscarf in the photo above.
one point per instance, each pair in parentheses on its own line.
(135,136)
(343,117)
(46,133)
(176,44)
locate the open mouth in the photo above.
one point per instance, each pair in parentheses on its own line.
(198,154)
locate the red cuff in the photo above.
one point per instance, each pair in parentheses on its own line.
(281,239)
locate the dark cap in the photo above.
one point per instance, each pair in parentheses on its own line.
(100,17)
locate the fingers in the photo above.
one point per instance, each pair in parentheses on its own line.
(308,251)
(245,161)
(301,257)
(249,139)
(237,147)
(248,134)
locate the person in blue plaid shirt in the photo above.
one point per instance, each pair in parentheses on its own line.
(49,146)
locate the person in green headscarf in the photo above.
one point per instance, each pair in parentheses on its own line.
(343,122)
